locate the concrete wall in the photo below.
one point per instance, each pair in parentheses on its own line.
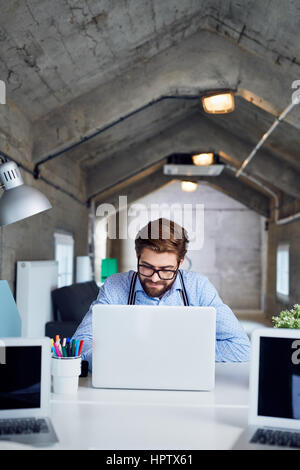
(33,238)
(231,256)
(288,233)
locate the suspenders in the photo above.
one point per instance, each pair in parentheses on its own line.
(132,293)
(183,292)
(131,297)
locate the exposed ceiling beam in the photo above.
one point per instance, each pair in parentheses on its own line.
(202,62)
(193,134)
(136,190)
(236,189)
(153,172)
(225,183)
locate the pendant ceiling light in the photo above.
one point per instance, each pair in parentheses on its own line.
(188,186)
(218,103)
(203,159)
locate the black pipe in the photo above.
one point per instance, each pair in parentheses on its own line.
(3,157)
(36,171)
(109,126)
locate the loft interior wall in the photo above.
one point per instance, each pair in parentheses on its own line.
(278,234)
(231,256)
(147,66)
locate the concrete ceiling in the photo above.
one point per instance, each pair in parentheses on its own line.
(136,129)
(119,83)
(53,52)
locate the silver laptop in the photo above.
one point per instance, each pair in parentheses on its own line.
(150,347)
(25,391)
(274,408)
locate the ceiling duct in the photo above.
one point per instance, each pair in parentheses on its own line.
(183,165)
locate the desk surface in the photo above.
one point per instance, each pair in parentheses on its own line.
(145,419)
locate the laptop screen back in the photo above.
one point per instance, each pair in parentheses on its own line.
(155,348)
(279,378)
(20,378)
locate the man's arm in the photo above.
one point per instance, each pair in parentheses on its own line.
(84,330)
(113,291)
(232,343)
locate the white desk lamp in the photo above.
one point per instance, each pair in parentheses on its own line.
(18,200)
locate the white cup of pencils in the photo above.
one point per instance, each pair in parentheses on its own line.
(65,365)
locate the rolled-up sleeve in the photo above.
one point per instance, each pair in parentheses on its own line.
(232,342)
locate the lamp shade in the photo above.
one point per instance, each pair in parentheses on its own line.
(18,200)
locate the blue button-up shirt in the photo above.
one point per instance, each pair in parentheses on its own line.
(232,343)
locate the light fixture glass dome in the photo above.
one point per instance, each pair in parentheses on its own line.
(218,103)
(188,186)
(18,200)
(203,159)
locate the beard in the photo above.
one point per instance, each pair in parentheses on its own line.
(157,290)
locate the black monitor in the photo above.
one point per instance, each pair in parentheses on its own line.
(279,378)
(20,378)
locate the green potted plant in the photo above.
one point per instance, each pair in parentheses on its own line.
(288,318)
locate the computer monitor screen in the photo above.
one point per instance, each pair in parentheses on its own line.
(279,378)
(20,378)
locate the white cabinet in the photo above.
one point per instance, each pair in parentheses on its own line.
(35,281)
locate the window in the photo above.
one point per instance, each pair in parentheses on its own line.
(64,254)
(283,270)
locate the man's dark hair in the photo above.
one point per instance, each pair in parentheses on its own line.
(162,235)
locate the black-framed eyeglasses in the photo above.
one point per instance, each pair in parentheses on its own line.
(163,274)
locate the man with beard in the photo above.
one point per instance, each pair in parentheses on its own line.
(160,249)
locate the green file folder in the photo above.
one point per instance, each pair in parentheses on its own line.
(109,266)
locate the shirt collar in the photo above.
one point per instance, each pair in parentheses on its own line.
(176,285)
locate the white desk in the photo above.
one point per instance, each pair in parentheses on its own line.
(135,419)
